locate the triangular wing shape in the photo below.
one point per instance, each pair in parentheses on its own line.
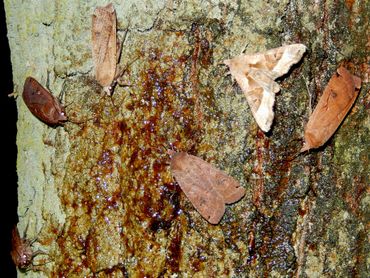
(207,188)
(255,74)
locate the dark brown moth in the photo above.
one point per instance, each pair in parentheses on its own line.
(22,253)
(207,188)
(104,46)
(334,104)
(42,103)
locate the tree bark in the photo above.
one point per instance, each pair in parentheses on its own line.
(99,196)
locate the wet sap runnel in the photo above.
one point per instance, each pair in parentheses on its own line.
(117,187)
(117,182)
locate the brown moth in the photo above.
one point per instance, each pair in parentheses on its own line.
(334,104)
(255,74)
(104,46)
(22,253)
(42,103)
(207,188)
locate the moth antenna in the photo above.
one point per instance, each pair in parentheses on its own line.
(62,91)
(47,85)
(26,229)
(244,48)
(81,122)
(48,80)
(119,73)
(119,53)
(65,106)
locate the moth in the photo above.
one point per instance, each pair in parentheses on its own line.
(334,104)
(42,103)
(256,74)
(207,188)
(104,46)
(22,253)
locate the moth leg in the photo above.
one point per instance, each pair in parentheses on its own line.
(14,94)
(33,240)
(120,73)
(121,42)
(118,78)
(310,99)
(37,267)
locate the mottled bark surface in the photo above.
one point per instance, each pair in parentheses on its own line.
(100,196)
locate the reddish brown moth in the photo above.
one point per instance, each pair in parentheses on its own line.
(207,188)
(42,103)
(22,253)
(104,45)
(334,104)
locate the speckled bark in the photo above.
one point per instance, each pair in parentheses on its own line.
(100,195)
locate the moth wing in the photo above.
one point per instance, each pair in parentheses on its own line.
(16,243)
(226,186)
(255,74)
(42,103)
(16,238)
(104,44)
(223,184)
(205,199)
(262,100)
(191,173)
(334,104)
(207,187)
(282,58)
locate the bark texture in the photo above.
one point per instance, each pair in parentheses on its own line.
(99,195)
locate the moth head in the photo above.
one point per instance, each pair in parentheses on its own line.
(21,252)
(299,49)
(60,114)
(24,258)
(239,65)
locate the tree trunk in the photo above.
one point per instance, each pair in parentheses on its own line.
(99,196)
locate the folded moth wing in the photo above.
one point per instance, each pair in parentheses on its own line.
(255,74)
(42,103)
(207,188)
(223,184)
(104,44)
(334,104)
